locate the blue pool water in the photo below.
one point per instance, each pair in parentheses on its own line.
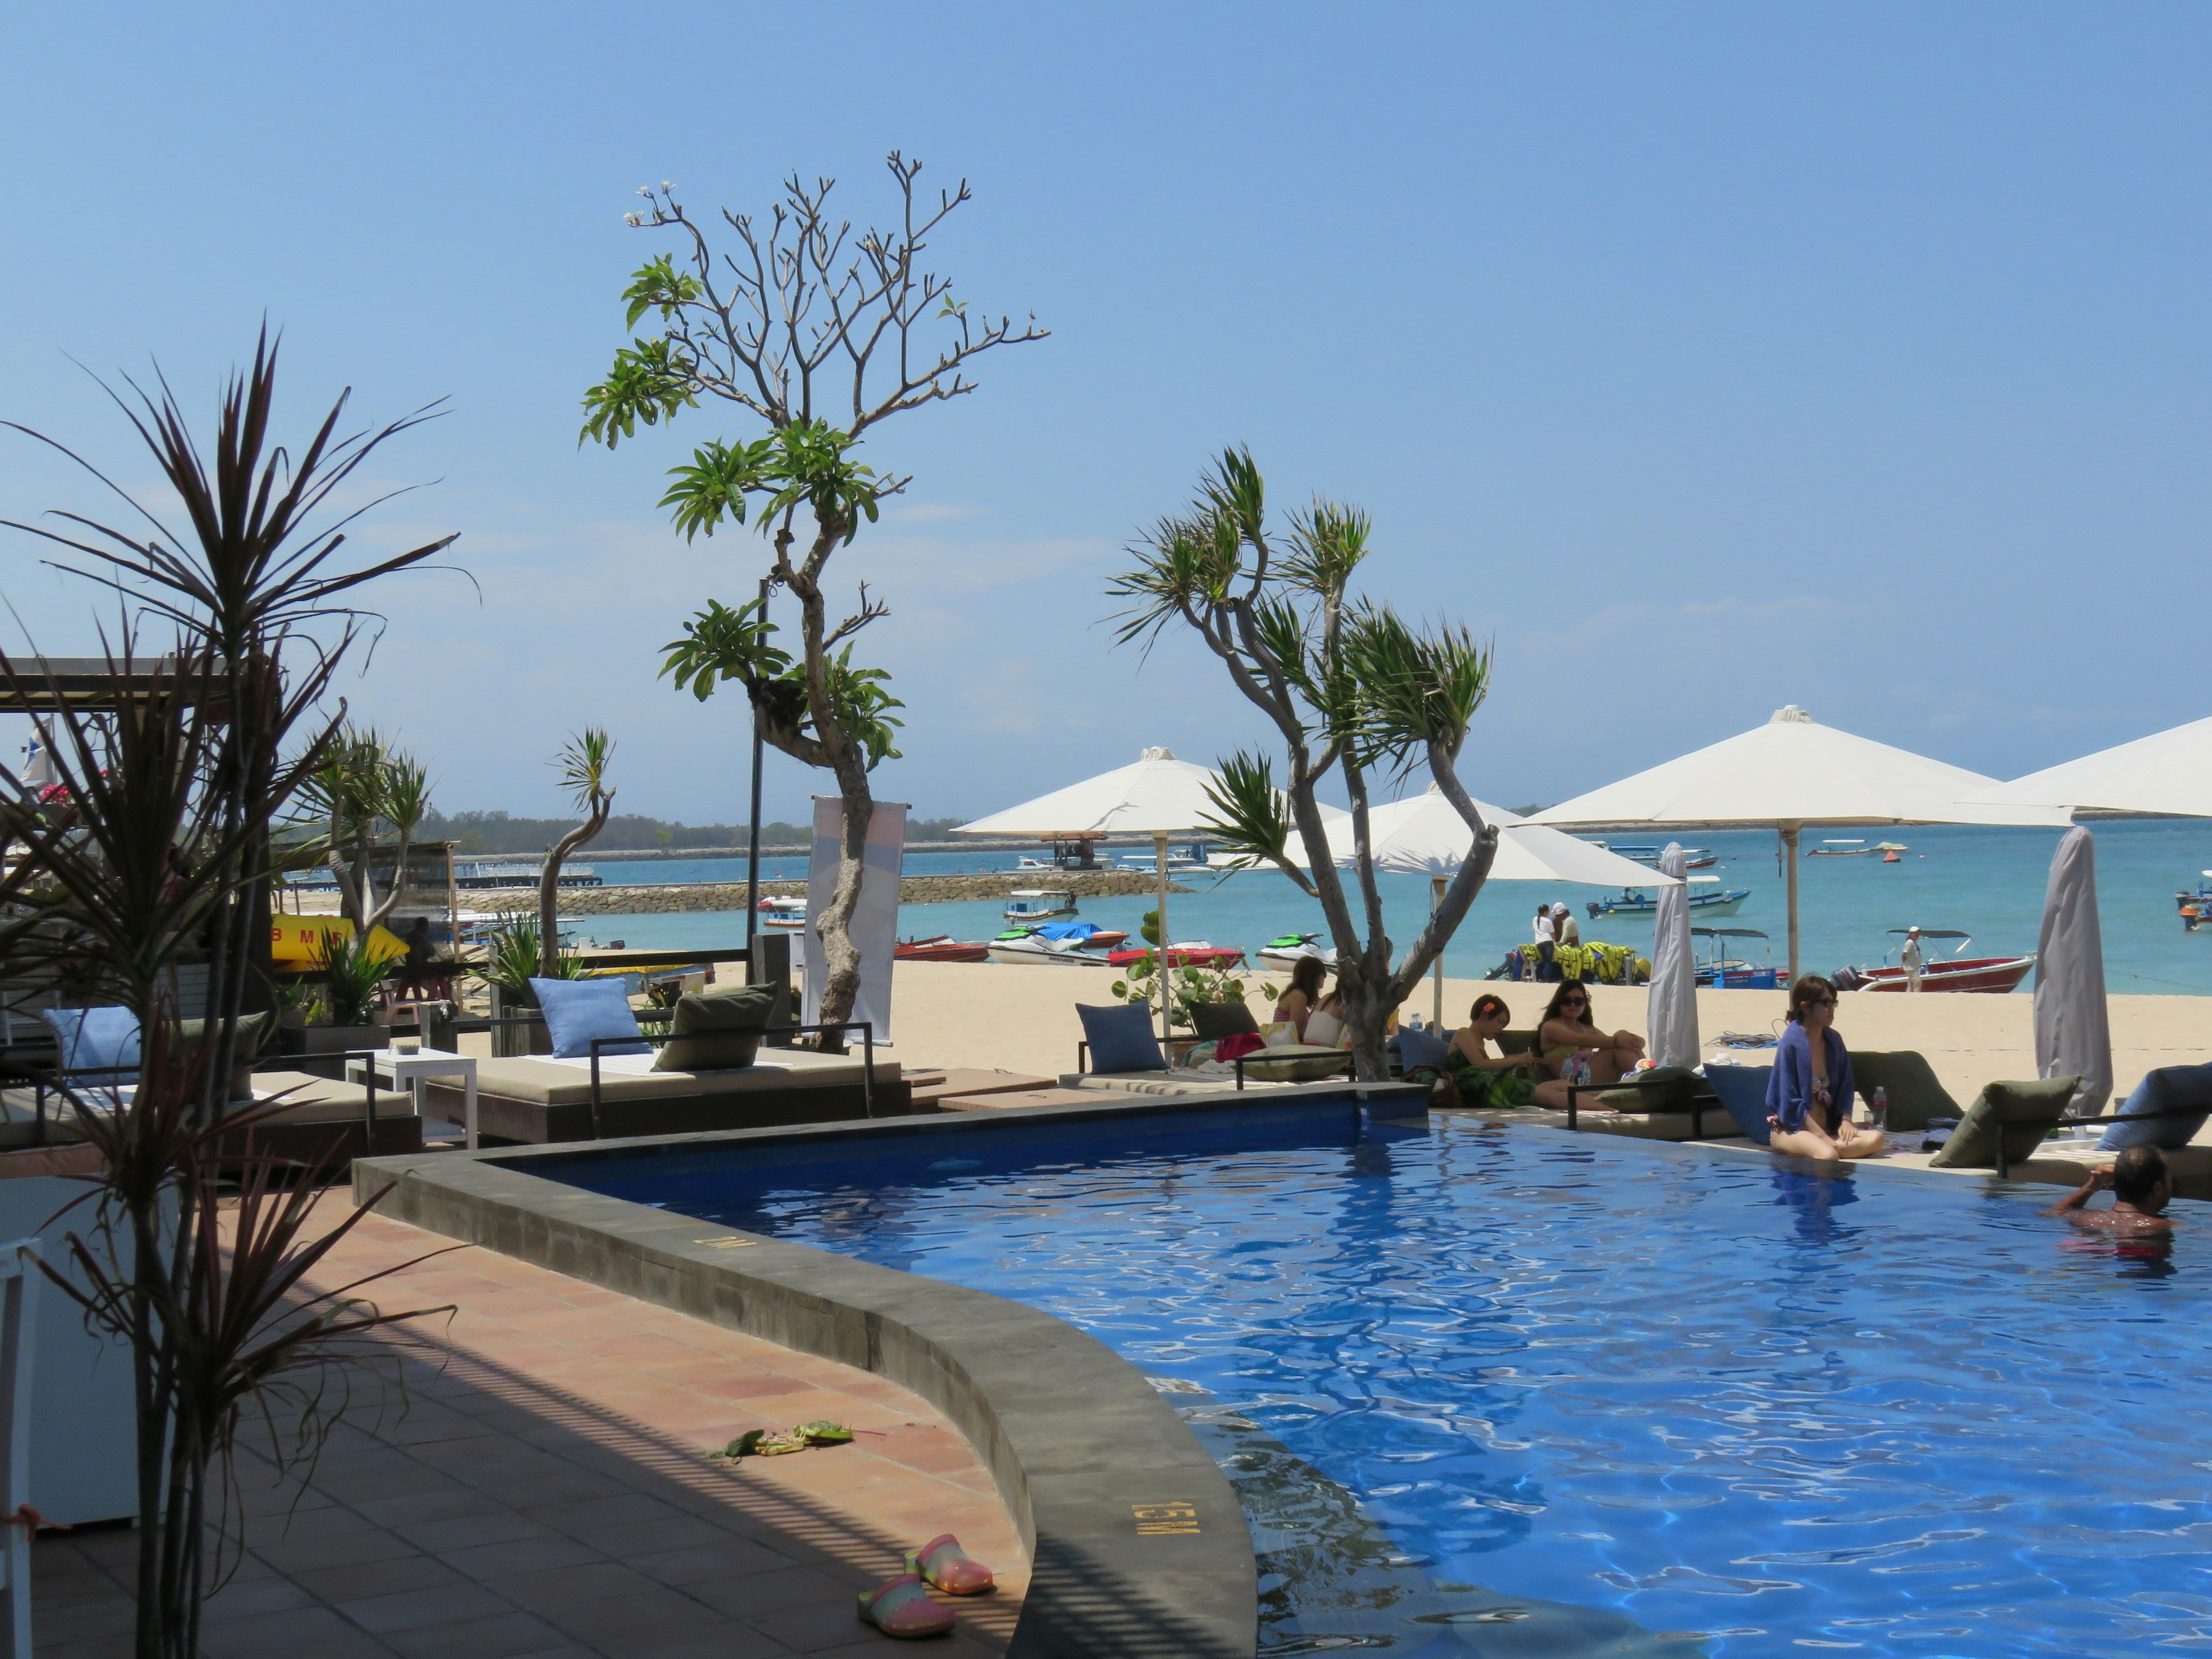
(1769,1412)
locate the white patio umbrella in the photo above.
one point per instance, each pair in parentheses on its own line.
(1160,796)
(1671,1020)
(2166,772)
(2073,1036)
(1793,772)
(1425,836)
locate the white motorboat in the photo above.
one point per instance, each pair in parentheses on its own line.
(1045,952)
(783,913)
(1040,903)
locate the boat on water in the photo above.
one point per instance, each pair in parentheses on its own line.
(493,873)
(942,947)
(1040,904)
(1184,953)
(1693,858)
(1887,851)
(782,912)
(1288,949)
(1635,902)
(1724,972)
(1195,857)
(1956,972)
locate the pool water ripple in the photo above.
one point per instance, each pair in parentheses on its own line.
(1768,1412)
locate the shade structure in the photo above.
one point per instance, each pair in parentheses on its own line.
(1793,772)
(1672,1021)
(1160,796)
(2073,1036)
(2169,771)
(1425,836)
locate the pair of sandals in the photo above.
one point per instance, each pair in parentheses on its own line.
(901,1607)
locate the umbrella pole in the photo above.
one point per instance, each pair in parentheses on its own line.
(1436,903)
(1789,832)
(1160,852)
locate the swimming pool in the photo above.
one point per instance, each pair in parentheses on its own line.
(1471,1383)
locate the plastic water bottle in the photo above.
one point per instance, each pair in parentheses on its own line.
(1414,1023)
(1879,1106)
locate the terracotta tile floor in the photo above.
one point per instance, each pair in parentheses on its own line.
(526,1476)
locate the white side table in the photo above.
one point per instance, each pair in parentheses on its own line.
(411,1069)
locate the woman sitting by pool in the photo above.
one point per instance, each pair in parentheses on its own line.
(1808,1097)
(1574,1049)
(1500,1082)
(1315,1011)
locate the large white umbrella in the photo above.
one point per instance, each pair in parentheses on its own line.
(2166,772)
(1425,836)
(1160,796)
(2073,1036)
(1672,1019)
(1793,772)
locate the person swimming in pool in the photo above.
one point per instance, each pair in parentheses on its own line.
(2141,1186)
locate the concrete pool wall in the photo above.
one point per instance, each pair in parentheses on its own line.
(1138,1548)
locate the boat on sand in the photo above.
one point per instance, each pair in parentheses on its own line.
(1992,975)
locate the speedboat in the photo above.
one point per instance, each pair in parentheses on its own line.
(1956,972)
(782,912)
(1088,934)
(1037,949)
(941,948)
(1727,973)
(1693,858)
(1040,904)
(1289,950)
(1184,953)
(1634,901)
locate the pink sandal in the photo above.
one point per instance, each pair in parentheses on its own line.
(901,1607)
(943,1563)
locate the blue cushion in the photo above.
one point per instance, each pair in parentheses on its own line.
(1121,1039)
(2168,1088)
(1742,1089)
(578,1010)
(1423,1047)
(99,1044)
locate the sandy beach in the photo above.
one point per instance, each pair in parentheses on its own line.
(1023,1018)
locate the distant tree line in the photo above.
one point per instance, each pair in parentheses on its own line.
(627,832)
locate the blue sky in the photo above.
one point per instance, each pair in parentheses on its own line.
(1708,357)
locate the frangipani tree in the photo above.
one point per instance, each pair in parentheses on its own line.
(583,761)
(367,789)
(1352,689)
(816,334)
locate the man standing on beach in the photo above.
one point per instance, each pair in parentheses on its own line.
(1911,959)
(2141,1189)
(1565,927)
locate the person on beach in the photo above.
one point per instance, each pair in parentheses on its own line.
(1499,1082)
(1309,977)
(1912,960)
(2141,1186)
(1565,930)
(1545,933)
(1808,1095)
(1574,1050)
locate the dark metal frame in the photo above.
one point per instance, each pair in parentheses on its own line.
(1701,1100)
(866,1028)
(1083,1067)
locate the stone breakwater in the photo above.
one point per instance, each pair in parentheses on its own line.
(635,898)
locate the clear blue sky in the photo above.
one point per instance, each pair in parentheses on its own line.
(1710,357)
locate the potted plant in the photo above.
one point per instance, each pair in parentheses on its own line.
(513,957)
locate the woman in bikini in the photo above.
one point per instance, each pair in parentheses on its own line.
(1808,1097)
(1500,1082)
(1575,1050)
(1298,1004)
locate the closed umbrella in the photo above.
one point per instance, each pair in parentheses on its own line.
(1793,772)
(1160,796)
(2073,1037)
(1673,1015)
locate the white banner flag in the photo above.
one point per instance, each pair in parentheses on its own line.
(875,918)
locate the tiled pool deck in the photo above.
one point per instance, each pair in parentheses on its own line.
(541,1489)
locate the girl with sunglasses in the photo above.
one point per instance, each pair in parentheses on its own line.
(1574,1049)
(1808,1094)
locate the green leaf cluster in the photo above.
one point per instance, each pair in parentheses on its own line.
(724,643)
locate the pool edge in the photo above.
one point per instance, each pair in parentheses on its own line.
(1085,1452)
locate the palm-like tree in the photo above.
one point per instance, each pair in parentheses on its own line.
(583,760)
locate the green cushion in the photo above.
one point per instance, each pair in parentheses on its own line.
(716,1030)
(1296,1062)
(1667,1089)
(253,1033)
(2025,1112)
(1516,1042)
(1915,1096)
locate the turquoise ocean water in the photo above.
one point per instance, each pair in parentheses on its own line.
(1989,882)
